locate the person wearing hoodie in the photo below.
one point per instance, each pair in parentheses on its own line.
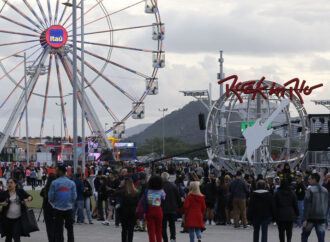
(194,207)
(287,210)
(315,209)
(261,211)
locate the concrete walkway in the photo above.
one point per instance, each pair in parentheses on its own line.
(98,233)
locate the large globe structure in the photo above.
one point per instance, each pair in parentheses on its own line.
(229,118)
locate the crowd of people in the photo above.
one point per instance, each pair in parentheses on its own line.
(153,198)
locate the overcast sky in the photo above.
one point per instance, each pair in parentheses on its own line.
(279,39)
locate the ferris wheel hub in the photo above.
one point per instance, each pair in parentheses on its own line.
(55,36)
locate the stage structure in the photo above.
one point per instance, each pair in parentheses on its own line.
(325,103)
(117,77)
(257,125)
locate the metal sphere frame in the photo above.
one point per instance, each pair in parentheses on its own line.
(222,143)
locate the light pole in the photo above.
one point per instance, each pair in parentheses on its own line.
(83,161)
(74,70)
(105,126)
(26,116)
(26,111)
(74,67)
(163,110)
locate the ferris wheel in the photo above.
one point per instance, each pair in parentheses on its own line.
(123,51)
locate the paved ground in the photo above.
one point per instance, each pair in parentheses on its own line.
(99,233)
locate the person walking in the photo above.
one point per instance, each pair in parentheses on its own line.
(286,210)
(13,202)
(300,193)
(170,207)
(141,187)
(239,191)
(97,185)
(327,186)
(261,211)
(27,175)
(315,209)
(154,213)
(88,192)
(48,210)
(129,198)
(33,178)
(62,195)
(39,175)
(208,188)
(102,198)
(194,207)
(78,206)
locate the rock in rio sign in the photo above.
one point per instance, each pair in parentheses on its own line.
(56,36)
(254,87)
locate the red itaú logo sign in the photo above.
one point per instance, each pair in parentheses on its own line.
(249,87)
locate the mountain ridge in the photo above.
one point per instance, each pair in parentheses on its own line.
(182,124)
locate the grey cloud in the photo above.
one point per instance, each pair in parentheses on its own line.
(244,30)
(320,64)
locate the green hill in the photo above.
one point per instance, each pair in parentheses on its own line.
(181,124)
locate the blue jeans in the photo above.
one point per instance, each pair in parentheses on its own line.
(257,223)
(319,228)
(301,212)
(192,232)
(88,208)
(78,206)
(328,218)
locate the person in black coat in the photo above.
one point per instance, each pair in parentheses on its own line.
(170,206)
(287,210)
(129,199)
(261,211)
(102,197)
(13,206)
(209,189)
(48,210)
(221,202)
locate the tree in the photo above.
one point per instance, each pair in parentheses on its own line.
(172,146)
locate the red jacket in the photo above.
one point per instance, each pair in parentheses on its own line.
(194,207)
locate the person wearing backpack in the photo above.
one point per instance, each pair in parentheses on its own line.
(155,195)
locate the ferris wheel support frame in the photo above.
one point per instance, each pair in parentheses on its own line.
(88,107)
(20,105)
